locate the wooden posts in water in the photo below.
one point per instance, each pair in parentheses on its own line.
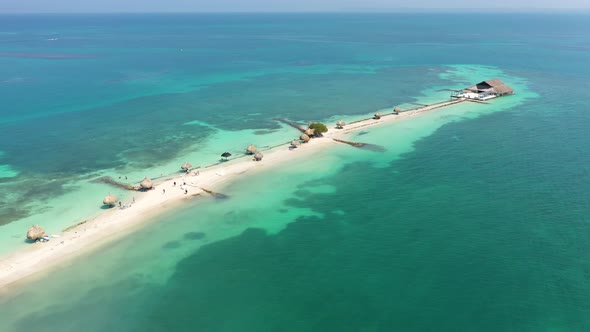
(214,194)
(292,124)
(355,144)
(109,180)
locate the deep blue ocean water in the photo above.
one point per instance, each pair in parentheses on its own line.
(482,225)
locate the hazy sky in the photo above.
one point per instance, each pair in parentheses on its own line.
(11,6)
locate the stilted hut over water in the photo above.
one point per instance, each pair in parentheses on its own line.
(35,232)
(251,149)
(110,200)
(146,184)
(484,90)
(186,166)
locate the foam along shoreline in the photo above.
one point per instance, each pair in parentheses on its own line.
(113,224)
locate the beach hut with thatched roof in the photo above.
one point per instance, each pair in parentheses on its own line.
(484,90)
(251,149)
(186,166)
(110,200)
(340,124)
(304,138)
(35,232)
(397,110)
(295,144)
(310,132)
(377,116)
(146,184)
(258,156)
(495,87)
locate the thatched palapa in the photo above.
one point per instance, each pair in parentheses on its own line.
(146,183)
(340,124)
(251,149)
(377,116)
(304,138)
(186,166)
(494,86)
(295,144)
(258,156)
(310,132)
(110,199)
(35,232)
(397,110)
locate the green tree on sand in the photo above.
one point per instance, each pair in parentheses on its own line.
(319,128)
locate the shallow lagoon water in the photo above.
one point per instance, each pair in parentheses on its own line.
(474,217)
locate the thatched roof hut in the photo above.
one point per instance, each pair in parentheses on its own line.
(340,124)
(494,86)
(258,156)
(310,132)
(186,166)
(397,110)
(304,138)
(35,232)
(251,149)
(377,116)
(110,199)
(296,143)
(146,183)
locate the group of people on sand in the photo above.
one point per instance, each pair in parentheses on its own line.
(125,206)
(183,186)
(192,172)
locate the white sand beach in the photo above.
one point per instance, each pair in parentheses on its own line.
(40,258)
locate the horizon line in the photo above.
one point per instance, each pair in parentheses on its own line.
(350,11)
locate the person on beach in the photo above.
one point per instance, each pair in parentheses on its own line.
(186,191)
(174,185)
(197,173)
(133,200)
(163,191)
(119,203)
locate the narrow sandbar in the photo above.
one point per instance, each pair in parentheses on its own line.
(39,258)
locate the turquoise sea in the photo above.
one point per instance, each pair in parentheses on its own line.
(474,218)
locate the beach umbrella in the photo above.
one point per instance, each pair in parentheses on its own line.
(35,232)
(186,166)
(225,155)
(296,143)
(340,124)
(146,183)
(304,138)
(377,116)
(310,132)
(110,200)
(397,110)
(258,156)
(251,149)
